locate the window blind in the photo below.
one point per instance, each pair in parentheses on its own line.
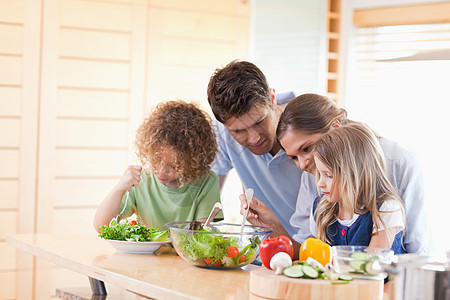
(392,42)
(406,98)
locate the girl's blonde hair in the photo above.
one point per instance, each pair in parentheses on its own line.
(184,128)
(354,157)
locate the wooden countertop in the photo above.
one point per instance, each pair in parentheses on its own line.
(163,275)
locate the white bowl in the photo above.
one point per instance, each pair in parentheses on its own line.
(136,247)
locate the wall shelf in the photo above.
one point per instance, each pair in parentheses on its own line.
(333,34)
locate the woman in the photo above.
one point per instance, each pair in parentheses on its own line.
(305,119)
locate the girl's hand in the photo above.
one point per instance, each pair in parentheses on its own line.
(130,178)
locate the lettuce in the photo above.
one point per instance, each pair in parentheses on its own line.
(197,247)
(135,233)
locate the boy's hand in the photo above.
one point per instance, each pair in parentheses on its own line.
(130,177)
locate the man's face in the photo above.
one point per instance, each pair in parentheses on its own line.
(256,129)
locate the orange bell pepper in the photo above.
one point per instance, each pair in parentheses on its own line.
(316,249)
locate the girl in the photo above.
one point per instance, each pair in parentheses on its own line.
(178,143)
(359,205)
(305,119)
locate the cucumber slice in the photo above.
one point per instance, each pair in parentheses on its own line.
(372,268)
(357,265)
(345,277)
(310,272)
(360,256)
(294,271)
(340,282)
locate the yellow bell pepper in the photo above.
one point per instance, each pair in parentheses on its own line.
(316,249)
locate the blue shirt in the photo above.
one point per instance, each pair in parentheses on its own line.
(358,233)
(275,179)
(405,174)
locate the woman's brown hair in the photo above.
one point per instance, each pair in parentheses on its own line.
(310,113)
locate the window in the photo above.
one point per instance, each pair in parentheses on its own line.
(398,83)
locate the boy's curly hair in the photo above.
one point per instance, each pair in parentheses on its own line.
(187,130)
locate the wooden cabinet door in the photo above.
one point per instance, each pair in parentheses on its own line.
(20,35)
(77,78)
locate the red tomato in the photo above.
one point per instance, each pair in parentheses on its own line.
(217,263)
(208,260)
(242,258)
(133,222)
(269,247)
(232,251)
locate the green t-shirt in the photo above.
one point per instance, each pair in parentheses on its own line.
(156,204)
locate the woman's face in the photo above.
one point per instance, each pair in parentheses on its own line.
(298,146)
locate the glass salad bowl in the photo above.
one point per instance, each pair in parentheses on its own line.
(361,261)
(218,245)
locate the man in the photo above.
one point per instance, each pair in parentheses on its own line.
(247,114)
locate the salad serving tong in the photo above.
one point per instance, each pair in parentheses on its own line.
(248,196)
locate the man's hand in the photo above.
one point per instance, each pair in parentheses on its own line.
(259,214)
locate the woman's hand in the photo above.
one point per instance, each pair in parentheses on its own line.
(130,178)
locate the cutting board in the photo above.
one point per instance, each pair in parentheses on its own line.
(264,283)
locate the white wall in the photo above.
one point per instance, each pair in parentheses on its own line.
(287,43)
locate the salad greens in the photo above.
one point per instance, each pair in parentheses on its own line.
(215,250)
(133,232)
